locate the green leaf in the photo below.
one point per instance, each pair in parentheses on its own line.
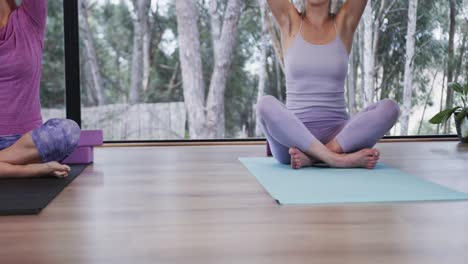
(461,115)
(443,116)
(457,87)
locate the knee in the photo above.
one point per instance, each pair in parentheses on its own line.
(56,139)
(390,109)
(265,106)
(71,132)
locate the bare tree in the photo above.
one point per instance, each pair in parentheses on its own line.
(205,117)
(215,23)
(371,28)
(140,28)
(262,74)
(451,55)
(409,60)
(91,64)
(368,55)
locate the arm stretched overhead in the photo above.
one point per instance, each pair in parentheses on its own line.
(37,11)
(351,12)
(348,18)
(283,11)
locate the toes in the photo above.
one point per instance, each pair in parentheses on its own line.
(60,174)
(295,161)
(369,152)
(372,152)
(376,153)
(292,151)
(372,165)
(298,163)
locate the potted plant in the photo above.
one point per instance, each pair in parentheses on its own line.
(460,112)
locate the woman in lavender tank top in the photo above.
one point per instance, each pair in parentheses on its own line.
(314,126)
(28,148)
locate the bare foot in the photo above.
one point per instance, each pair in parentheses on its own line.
(299,159)
(53,168)
(365,158)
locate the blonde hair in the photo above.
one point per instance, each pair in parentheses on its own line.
(334,6)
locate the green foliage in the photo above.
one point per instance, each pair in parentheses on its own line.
(461,115)
(443,116)
(460,112)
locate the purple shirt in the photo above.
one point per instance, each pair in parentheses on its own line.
(21,43)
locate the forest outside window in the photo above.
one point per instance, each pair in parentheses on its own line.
(53,73)
(132,73)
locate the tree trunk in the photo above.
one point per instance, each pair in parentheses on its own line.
(441,105)
(262,74)
(222,65)
(368,55)
(215,22)
(90,48)
(146,57)
(450,64)
(429,96)
(191,65)
(460,59)
(205,121)
(140,26)
(408,79)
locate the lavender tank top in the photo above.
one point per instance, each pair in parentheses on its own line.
(315,79)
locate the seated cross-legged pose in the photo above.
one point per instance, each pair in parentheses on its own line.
(28,148)
(314,125)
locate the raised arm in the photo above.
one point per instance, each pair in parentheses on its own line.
(37,11)
(282,11)
(352,11)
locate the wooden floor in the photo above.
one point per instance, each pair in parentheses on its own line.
(200,205)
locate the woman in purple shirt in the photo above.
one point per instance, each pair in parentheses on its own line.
(28,148)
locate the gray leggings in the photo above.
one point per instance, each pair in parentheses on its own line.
(283,129)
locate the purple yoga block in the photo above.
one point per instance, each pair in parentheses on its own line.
(90,138)
(81,155)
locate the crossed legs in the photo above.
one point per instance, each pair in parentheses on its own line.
(37,153)
(291,142)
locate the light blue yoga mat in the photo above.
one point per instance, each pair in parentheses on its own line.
(328,185)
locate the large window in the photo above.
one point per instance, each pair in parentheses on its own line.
(53,73)
(132,75)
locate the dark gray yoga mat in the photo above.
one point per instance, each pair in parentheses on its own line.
(30,196)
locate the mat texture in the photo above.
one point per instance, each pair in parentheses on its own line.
(30,196)
(334,186)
